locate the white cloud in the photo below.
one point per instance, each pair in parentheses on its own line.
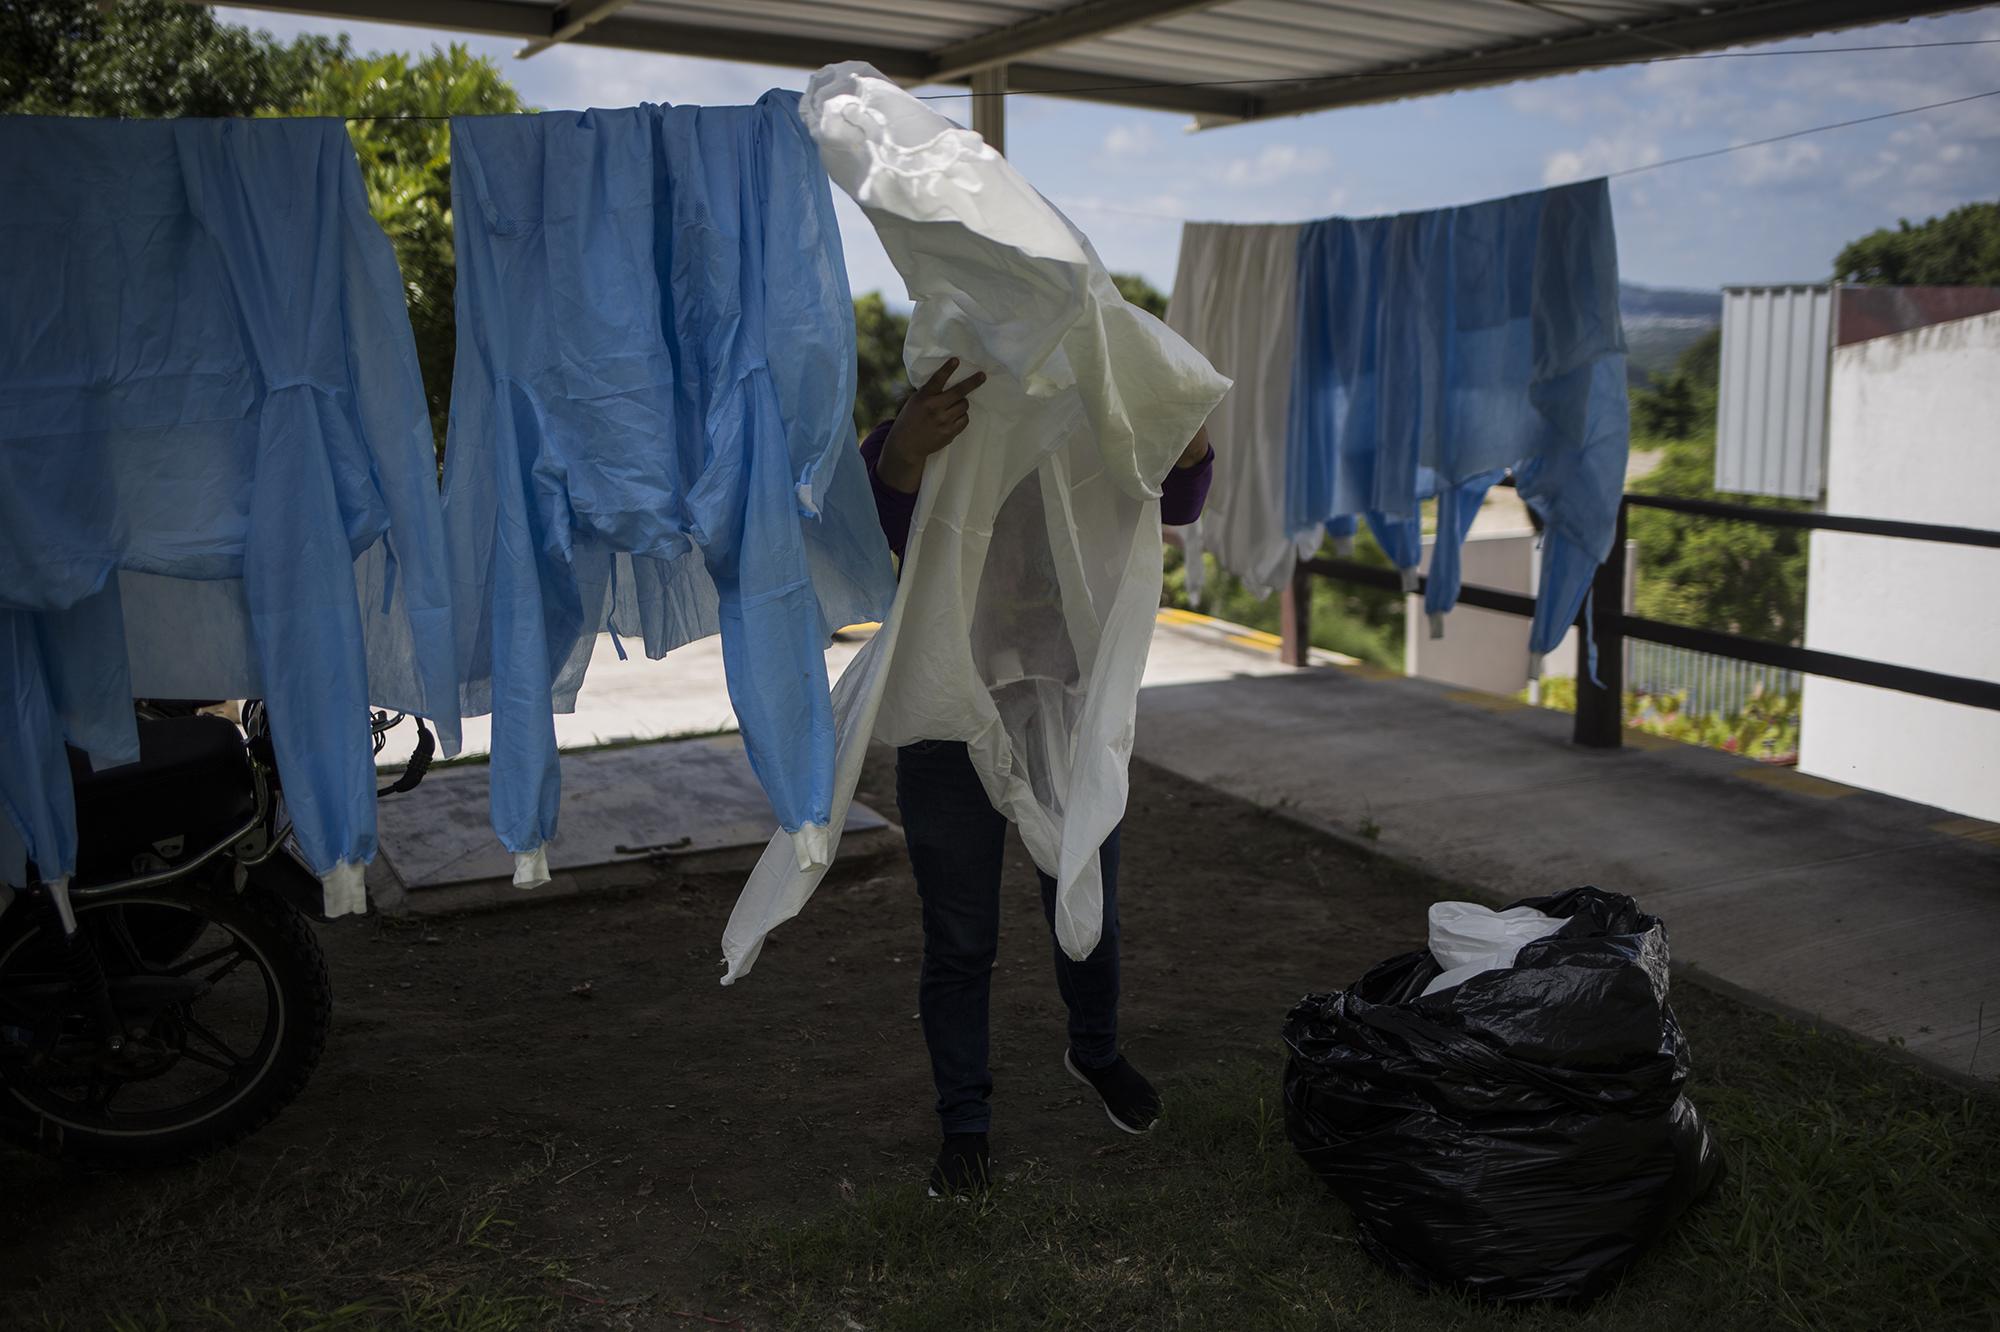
(1273,163)
(1600,156)
(1129,141)
(1164,208)
(573,77)
(1796,160)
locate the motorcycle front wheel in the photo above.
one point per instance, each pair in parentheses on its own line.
(224,1001)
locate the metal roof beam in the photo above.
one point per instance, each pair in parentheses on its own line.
(1046,32)
(1217,105)
(762,48)
(1716,27)
(632,33)
(487,17)
(570,20)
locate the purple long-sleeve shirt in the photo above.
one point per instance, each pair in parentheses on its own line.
(1182,494)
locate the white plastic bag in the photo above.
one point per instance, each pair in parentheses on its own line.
(1467,939)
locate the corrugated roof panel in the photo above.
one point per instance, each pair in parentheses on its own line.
(832,21)
(1360,43)
(1427,26)
(1770,418)
(1296,56)
(1155,52)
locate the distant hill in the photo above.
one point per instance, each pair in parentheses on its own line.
(1661,323)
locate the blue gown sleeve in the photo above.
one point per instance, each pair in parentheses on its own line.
(312,507)
(34,771)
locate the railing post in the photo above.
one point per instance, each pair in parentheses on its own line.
(1295,619)
(1600,712)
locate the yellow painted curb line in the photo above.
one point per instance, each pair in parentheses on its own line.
(1798,783)
(1472,698)
(1235,633)
(1972,830)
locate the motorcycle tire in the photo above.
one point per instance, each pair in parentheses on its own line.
(270,933)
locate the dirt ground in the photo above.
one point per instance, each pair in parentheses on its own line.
(578,1064)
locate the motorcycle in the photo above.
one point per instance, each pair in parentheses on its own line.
(178,1000)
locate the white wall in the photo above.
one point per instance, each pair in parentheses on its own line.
(1482,649)
(1914,434)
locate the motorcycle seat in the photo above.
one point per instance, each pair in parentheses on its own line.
(191,787)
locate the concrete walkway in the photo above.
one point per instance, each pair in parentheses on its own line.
(684,692)
(695,802)
(1869,913)
(1863,911)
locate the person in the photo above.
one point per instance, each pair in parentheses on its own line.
(957,840)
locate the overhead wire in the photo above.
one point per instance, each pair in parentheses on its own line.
(1430,70)
(1650,166)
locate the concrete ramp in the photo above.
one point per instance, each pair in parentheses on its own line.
(1867,912)
(688,801)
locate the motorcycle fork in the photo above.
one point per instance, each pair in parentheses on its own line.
(86,970)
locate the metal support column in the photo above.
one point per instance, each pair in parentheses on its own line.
(1600,712)
(1295,601)
(989,106)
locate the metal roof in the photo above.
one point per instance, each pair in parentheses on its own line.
(1770,410)
(1248,59)
(1777,357)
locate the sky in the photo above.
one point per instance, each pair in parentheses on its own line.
(1130,178)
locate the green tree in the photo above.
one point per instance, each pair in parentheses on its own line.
(880,383)
(1962,248)
(398,116)
(1362,622)
(1681,404)
(146,58)
(1141,293)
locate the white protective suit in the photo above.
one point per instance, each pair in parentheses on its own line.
(1032,571)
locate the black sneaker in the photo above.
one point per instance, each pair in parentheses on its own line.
(964,1167)
(1128,1098)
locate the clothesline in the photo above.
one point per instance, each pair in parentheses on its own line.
(1642,167)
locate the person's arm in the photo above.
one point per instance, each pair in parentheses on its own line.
(1185,491)
(897,450)
(893,508)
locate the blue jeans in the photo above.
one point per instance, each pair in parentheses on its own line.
(956,841)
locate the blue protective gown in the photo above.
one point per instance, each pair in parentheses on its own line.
(1437,350)
(217,476)
(651,430)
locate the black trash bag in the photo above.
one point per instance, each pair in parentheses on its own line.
(1521,1136)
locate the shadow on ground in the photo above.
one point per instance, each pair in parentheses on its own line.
(554,1117)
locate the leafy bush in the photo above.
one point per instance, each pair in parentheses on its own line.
(1362,622)
(1767,728)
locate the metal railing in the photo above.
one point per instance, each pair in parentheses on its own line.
(1709,686)
(1600,703)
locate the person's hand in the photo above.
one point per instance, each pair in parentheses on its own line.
(1196,450)
(933,417)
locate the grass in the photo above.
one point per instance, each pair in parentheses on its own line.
(1861,1194)
(356,1248)
(280,1311)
